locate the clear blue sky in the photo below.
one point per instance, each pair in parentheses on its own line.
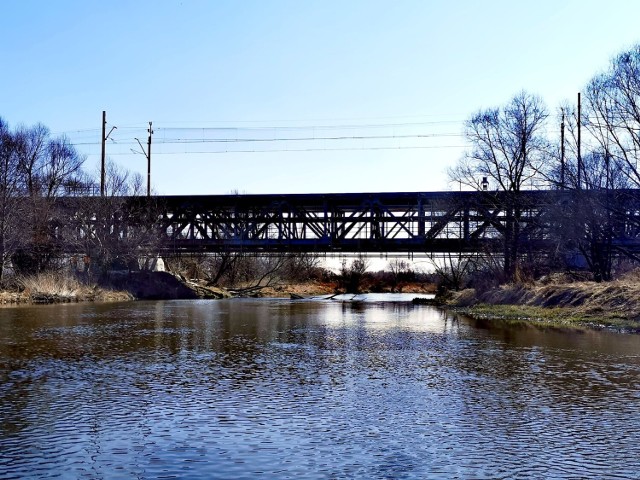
(342,95)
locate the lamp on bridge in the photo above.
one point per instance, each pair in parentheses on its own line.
(485,184)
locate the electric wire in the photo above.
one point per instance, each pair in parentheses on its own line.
(337,149)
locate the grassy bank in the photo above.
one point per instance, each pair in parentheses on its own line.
(51,287)
(558,302)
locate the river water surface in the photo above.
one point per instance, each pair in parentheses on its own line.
(261,388)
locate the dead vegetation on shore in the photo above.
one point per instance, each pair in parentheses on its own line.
(56,287)
(52,287)
(315,288)
(559,299)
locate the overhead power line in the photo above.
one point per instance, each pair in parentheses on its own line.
(282,139)
(302,139)
(318,127)
(321,137)
(311,149)
(278,126)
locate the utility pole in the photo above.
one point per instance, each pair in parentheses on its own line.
(562,154)
(148,155)
(104,141)
(149,161)
(579,143)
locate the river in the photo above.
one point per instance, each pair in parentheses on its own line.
(260,388)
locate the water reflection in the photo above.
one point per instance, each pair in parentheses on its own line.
(321,389)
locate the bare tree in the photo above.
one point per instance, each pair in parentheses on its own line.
(248,274)
(63,167)
(353,273)
(508,150)
(44,167)
(400,271)
(613,112)
(611,163)
(508,146)
(30,145)
(120,182)
(302,266)
(257,273)
(453,270)
(584,225)
(11,206)
(37,224)
(120,228)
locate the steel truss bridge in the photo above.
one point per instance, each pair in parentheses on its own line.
(421,222)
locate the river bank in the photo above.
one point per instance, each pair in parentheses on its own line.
(557,302)
(85,295)
(49,288)
(144,285)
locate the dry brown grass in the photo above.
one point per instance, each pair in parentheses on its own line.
(53,287)
(582,300)
(304,289)
(51,284)
(314,288)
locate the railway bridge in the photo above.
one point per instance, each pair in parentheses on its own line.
(425,222)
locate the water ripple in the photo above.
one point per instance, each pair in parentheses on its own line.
(280,390)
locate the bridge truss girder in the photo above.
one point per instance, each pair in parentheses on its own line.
(372,222)
(422,222)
